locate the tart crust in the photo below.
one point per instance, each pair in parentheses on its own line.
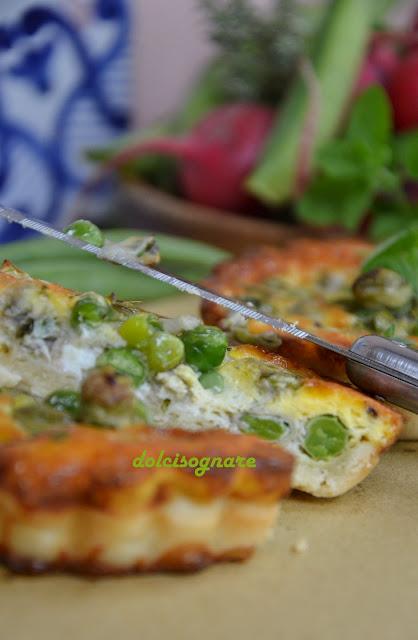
(72,500)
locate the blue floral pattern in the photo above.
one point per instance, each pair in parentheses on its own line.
(63,88)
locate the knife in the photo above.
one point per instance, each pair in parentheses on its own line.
(376,365)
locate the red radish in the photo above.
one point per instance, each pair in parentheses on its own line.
(368,77)
(380,63)
(403,92)
(216,156)
(415,21)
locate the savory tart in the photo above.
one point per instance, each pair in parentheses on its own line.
(77,498)
(318,285)
(106,363)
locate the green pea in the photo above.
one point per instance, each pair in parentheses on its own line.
(266,427)
(124,360)
(86,231)
(213,381)
(205,347)
(326,437)
(164,351)
(66,401)
(138,329)
(90,309)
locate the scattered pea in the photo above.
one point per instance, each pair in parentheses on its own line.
(86,231)
(138,329)
(66,401)
(90,309)
(164,351)
(326,437)
(205,347)
(125,360)
(266,427)
(213,381)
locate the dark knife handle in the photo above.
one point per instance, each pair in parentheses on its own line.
(397,357)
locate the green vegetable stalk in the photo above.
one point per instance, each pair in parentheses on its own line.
(338,51)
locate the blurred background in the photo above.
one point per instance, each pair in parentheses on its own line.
(226,122)
(174,43)
(65,85)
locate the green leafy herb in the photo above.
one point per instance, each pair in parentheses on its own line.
(392,215)
(335,200)
(400,254)
(350,158)
(352,170)
(364,173)
(259,50)
(371,118)
(406,152)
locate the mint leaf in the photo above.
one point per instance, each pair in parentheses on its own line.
(351,158)
(331,200)
(391,215)
(371,117)
(354,169)
(406,152)
(386,224)
(387,181)
(399,253)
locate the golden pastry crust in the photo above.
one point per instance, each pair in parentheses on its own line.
(9,274)
(71,499)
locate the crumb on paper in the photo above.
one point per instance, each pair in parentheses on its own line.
(300,546)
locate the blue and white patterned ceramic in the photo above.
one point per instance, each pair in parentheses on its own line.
(64,87)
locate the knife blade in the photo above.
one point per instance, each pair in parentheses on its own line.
(394,366)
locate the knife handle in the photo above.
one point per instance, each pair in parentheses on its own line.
(394,355)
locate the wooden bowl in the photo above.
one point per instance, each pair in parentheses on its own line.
(145,207)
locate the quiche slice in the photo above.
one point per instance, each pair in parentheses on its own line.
(106,363)
(318,285)
(73,497)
